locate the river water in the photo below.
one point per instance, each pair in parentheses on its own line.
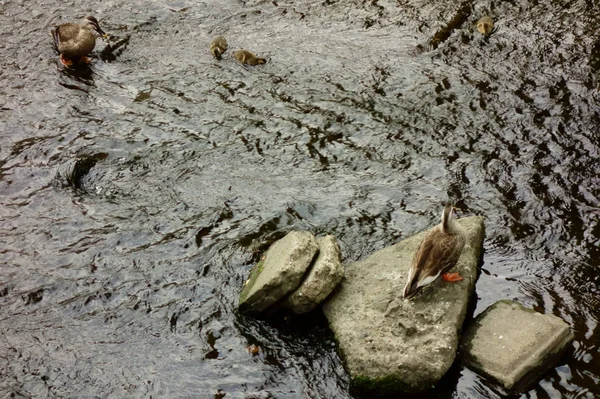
(137,193)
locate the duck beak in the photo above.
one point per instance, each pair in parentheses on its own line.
(100,32)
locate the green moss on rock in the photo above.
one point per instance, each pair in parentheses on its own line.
(254,273)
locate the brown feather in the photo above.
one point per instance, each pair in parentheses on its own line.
(436,255)
(218,46)
(74,40)
(249,58)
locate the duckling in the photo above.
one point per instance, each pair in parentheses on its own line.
(74,41)
(485,25)
(247,57)
(436,255)
(218,46)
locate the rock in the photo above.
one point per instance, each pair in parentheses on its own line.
(279,272)
(514,353)
(390,345)
(324,275)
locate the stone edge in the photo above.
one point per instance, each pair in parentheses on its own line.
(254,273)
(523,381)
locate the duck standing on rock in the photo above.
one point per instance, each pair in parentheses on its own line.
(436,255)
(75,41)
(218,46)
(247,57)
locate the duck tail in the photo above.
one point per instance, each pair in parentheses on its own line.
(412,284)
(410,289)
(54,33)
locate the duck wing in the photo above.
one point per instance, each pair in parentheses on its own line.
(73,41)
(65,32)
(55,37)
(436,254)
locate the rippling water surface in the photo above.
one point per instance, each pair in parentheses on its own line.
(137,193)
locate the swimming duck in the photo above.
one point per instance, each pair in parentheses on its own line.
(485,25)
(247,57)
(436,255)
(75,41)
(218,46)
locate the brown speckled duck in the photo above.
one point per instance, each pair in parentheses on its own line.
(437,254)
(75,41)
(218,46)
(247,57)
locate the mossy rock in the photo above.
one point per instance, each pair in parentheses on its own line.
(279,272)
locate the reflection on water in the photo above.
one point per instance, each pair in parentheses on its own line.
(138,191)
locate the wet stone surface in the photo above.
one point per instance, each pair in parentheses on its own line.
(514,345)
(137,193)
(324,275)
(279,272)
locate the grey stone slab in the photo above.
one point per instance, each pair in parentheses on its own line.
(323,276)
(514,345)
(279,272)
(390,345)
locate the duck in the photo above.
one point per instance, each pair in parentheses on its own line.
(485,25)
(218,46)
(437,253)
(74,41)
(247,57)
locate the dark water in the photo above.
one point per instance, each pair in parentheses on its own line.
(137,193)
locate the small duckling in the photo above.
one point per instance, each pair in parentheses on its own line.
(74,41)
(247,57)
(218,46)
(485,25)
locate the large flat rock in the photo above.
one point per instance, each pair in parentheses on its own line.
(324,275)
(279,272)
(514,345)
(390,345)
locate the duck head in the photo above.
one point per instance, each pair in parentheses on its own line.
(92,24)
(448,219)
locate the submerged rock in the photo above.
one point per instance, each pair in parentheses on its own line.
(514,353)
(390,345)
(323,276)
(279,272)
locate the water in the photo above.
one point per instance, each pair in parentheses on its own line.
(137,193)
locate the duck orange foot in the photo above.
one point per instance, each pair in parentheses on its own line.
(451,277)
(65,61)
